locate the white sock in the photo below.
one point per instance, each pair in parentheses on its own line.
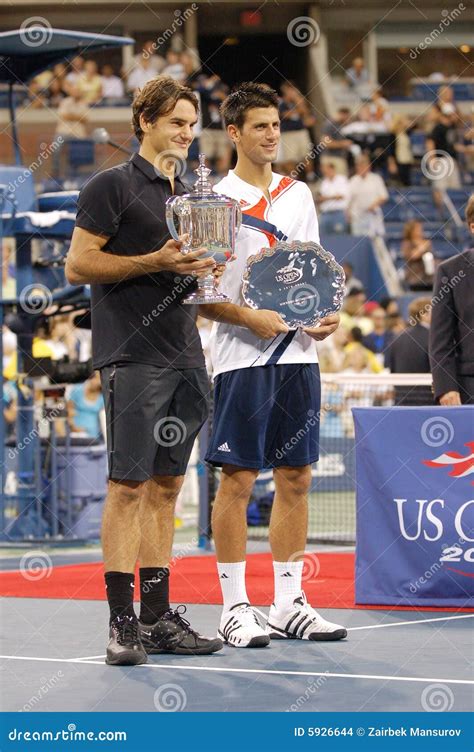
(287,576)
(232,579)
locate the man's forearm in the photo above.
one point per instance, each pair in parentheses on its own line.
(101,268)
(225,313)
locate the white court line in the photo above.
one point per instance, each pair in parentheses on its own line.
(271,672)
(413,621)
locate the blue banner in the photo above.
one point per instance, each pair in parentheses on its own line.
(415,506)
(234,732)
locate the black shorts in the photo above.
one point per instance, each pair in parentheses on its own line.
(153,416)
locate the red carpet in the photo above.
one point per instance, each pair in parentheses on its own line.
(328,581)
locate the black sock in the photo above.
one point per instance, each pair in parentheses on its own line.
(154,593)
(119,588)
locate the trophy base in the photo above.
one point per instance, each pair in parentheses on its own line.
(202,297)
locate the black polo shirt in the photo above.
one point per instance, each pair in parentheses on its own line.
(141,320)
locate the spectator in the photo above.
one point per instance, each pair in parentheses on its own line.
(352,284)
(355,342)
(44,79)
(357,76)
(380,337)
(174,68)
(418,254)
(112,85)
(84,406)
(400,159)
(37,96)
(295,143)
(40,349)
(465,147)
(193,75)
(77,69)
(142,72)
(380,110)
(332,200)
(367,193)
(215,143)
(157,62)
(452,338)
(9,395)
(445,102)
(56,93)
(9,341)
(332,350)
(332,424)
(73,114)
(353,313)
(441,160)
(408,353)
(8,289)
(58,88)
(89,83)
(338,147)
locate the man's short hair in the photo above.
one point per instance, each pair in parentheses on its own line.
(470,210)
(245,97)
(158,98)
(417,307)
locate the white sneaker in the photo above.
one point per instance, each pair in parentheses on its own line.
(301,622)
(241,628)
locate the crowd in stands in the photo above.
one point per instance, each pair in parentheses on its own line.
(360,155)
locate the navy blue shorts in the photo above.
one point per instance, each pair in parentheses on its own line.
(266,416)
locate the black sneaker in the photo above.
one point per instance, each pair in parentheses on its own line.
(173,634)
(125,647)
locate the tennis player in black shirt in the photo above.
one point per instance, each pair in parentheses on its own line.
(147,347)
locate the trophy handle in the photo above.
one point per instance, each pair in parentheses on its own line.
(172,206)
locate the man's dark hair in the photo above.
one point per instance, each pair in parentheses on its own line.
(157,98)
(245,97)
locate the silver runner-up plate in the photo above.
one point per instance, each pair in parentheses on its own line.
(301,281)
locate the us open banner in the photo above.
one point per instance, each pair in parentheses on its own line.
(415,506)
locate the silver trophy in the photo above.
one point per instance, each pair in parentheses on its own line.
(301,281)
(210,221)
